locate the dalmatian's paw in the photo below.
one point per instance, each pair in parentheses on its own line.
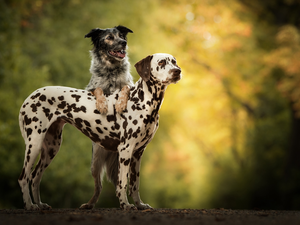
(32,207)
(129,207)
(44,206)
(143,206)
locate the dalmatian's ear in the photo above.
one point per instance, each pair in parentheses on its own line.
(94,33)
(143,68)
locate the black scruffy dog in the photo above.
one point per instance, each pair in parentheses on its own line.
(110,65)
(110,72)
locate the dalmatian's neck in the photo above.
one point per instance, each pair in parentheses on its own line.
(150,94)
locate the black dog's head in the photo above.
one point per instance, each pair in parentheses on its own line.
(110,43)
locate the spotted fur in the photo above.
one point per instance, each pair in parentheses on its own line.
(45,112)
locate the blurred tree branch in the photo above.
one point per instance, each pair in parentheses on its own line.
(249,109)
(279,12)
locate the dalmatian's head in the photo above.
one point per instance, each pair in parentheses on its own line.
(163,67)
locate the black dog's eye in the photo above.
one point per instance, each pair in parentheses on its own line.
(110,37)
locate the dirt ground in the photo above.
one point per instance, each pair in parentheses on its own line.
(157,216)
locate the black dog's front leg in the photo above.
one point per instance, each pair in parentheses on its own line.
(101,103)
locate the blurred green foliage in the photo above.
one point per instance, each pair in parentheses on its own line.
(229,130)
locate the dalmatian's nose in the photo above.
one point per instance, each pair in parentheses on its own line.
(175,72)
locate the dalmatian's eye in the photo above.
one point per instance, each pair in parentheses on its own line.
(174,62)
(162,63)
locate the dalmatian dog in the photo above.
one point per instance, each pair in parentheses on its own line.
(45,112)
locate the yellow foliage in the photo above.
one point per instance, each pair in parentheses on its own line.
(286,57)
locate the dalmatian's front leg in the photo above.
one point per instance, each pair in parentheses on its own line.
(121,189)
(134,180)
(121,103)
(101,103)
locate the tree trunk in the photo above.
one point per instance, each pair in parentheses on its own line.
(291,179)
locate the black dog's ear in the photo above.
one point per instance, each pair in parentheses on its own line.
(94,32)
(143,68)
(124,30)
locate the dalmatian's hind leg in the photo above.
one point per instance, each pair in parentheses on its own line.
(51,145)
(31,154)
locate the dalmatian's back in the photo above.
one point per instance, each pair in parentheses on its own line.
(77,107)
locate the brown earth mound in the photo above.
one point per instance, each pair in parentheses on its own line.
(157,216)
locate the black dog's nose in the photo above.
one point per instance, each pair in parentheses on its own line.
(123,43)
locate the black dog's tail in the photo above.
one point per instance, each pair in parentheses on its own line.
(112,167)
